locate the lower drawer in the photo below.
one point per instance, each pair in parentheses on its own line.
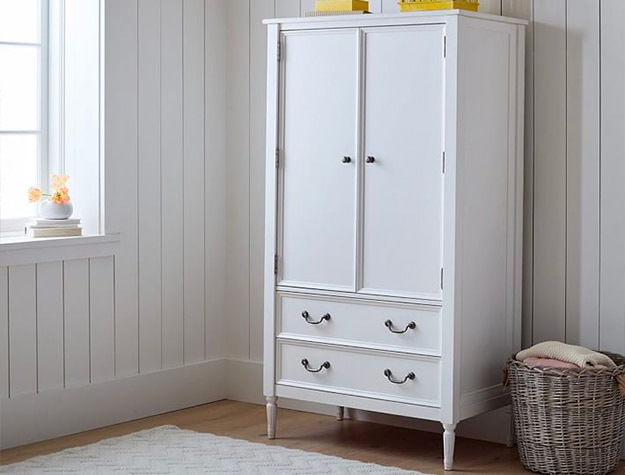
(375,374)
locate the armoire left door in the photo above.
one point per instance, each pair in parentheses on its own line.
(318,163)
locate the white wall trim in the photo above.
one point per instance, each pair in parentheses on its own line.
(34,417)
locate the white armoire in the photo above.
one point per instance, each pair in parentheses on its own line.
(393,213)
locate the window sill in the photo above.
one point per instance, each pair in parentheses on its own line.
(18,249)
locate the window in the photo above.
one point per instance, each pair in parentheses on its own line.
(23,105)
(49,105)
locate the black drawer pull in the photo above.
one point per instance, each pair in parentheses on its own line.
(411,326)
(324,365)
(306,316)
(389,376)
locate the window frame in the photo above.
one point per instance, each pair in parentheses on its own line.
(16,224)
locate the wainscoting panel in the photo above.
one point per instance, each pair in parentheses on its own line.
(50,326)
(259,10)
(121,171)
(215,48)
(76,322)
(102,318)
(22,341)
(149,183)
(612,228)
(4,332)
(582,172)
(193,180)
(171,193)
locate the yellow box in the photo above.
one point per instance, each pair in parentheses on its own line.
(341,5)
(415,5)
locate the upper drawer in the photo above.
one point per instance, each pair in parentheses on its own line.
(408,328)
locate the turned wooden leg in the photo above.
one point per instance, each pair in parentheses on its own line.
(340,412)
(272,414)
(449,439)
(511,436)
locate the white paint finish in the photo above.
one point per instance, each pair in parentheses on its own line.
(612,278)
(4,332)
(482,211)
(149,181)
(359,373)
(488,206)
(259,10)
(172,206)
(345,319)
(490,6)
(101,327)
(271,185)
(50,324)
(77,323)
(237,291)
(375,6)
(215,178)
(549,170)
(318,210)
(402,245)
(305,6)
(523,9)
(390,6)
(22,341)
(582,173)
(193,175)
(120,168)
(286,8)
(34,417)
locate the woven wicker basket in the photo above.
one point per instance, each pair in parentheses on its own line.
(568,421)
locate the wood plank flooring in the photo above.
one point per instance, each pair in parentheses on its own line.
(364,441)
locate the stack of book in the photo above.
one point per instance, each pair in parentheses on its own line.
(339,7)
(41,227)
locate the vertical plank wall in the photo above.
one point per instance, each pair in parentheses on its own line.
(135,326)
(574,220)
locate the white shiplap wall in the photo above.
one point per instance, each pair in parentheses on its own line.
(574,226)
(138,330)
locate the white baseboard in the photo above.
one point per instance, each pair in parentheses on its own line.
(34,417)
(492,426)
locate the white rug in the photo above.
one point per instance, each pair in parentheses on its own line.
(168,449)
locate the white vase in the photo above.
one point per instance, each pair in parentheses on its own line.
(51,210)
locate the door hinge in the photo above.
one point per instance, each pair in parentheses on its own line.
(279,52)
(275,264)
(445,46)
(443,162)
(277,158)
(441,278)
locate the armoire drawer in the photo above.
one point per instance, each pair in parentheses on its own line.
(359,372)
(415,329)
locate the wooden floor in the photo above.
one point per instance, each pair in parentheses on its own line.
(364,441)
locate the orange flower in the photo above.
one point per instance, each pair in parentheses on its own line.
(34,194)
(60,193)
(60,196)
(58,181)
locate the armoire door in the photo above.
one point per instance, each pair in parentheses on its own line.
(403,177)
(318,159)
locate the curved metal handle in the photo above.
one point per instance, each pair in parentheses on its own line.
(389,375)
(411,326)
(306,316)
(324,365)
(370,159)
(347,159)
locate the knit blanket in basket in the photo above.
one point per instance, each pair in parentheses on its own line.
(578,355)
